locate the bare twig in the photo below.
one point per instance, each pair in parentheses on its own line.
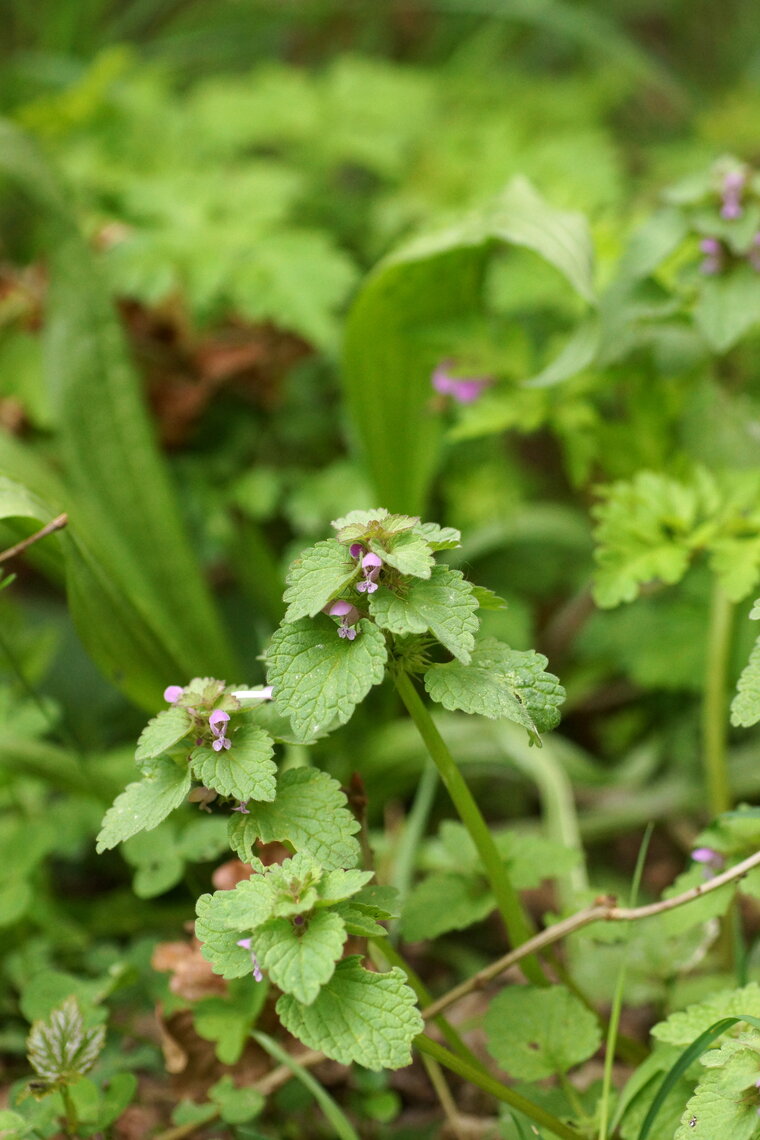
(605,910)
(55,524)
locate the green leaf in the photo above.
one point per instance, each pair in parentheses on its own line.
(445,901)
(317,576)
(683,1026)
(318,677)
(245,770)
(720,1108)
(407,552)
(309,811)
(728,306)
(444,605)
(162,733)
(300,959)
(227,1021)
(357,1016)
(437,280)
(358,921)
(500,682)
(61,1048)
(341,884)
(745,707)
(236,1105)
(439,537)
(648,529)
(125,529)
(159,866)
(142,806)
(487,599)
(223,917)
(535,1032)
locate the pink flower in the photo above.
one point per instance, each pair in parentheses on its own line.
(218,721)
(348,615)
(371,567)
(463,389)
(246,945)
(173,693)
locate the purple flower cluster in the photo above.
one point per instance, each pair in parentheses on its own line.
(463,389)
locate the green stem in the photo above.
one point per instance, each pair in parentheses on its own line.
(72,1119)
(477,1076)
(714,705)
(507,899)
(414,829)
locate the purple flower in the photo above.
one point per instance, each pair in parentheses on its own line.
(348,615)
(712,860)
(218,721)
(356,550)
(242,807)
(246,945)
(731,192)
(173,693)
(713,250)
(371,567)
(463,389)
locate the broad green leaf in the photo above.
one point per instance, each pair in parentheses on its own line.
(728,306)
(236,1104)
(316,576)
(683,1026)
(698,912)
(318,677)
(161,733)
(244,770)
(142,806)
(535,1032)
(648,529)
(357,1016)
(335,886)
(715,1112)
(735,561)
(578,353)
(61,1048)
(437,280)
(227,1021)
(442,902)
(500,682)
(745,707)
(358,921)
(300,959)
(227,916)
(309,811)
(444,605)
(487,599)
(439,537)
(157,862)
(407,552)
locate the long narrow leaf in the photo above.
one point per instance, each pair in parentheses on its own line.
(124,517)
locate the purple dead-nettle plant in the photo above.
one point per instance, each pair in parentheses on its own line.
(173,693)
(348,614)
(246,945)
(218,721)
(463,389)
